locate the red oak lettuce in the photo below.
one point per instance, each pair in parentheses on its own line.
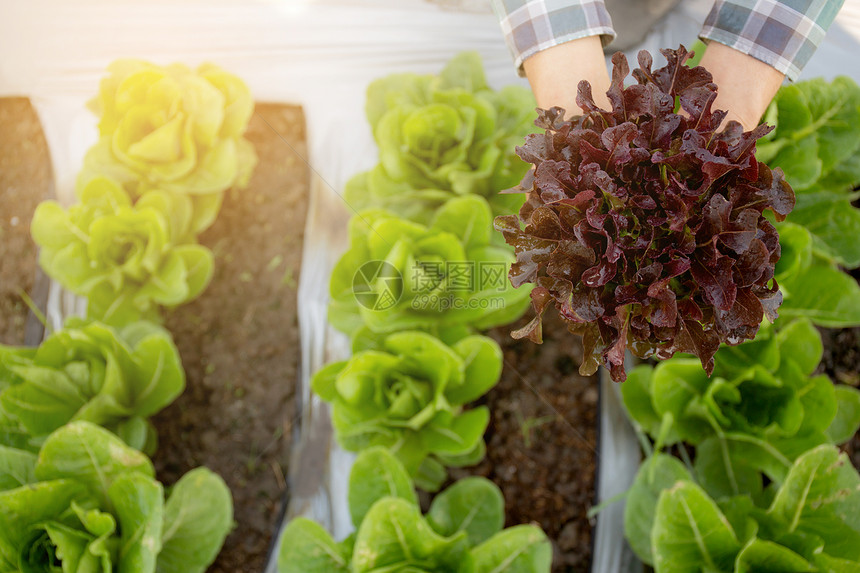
(644,226)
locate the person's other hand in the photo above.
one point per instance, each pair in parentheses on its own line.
(745,85)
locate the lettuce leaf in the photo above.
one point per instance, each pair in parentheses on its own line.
(116,378)
(401,275)
(462,532)
(409,395)
(91,503)
(127,259)
(171,128)
(440,137)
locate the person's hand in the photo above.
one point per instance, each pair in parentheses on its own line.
(745,85)
(555,73)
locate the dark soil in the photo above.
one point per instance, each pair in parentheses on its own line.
(542,440)
(26,179)
(841,359)
(240,345)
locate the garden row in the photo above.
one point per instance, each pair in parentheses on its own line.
(422,278)
(649,231)
(77,489)
(742,471)
(657,233)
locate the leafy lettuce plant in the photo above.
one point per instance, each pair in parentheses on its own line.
(759,411)
(400,275)
(127,259)
(808,523)
(88,502)
(816,134)
(408,395)
(172,129)
(89,371)
(645,227)
(443,136)
(461,533)
(814,287)
(816,143)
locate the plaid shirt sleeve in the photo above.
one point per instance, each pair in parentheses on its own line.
(782,33)
(530,26)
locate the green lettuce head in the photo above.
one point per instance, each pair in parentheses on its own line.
(443,136)
(125,258)
(761,409)
(461,533)
(399,275)
(172,129)
(408,395)
(90,503)
(806,522)
(88,371)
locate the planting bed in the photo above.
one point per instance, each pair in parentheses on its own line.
(239,342)
(542,440)
(25,179)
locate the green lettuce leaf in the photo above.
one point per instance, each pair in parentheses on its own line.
(306,547)
(171,128)
(443,136)
(198,516)
(17,468)
(816,144)
(377,474)
(520,549)
(91,503)
(656,474)
(847,419)
(760,556)
(821,497)
(401,275)
(824,294)
(116,378)
(473,505)
(462,532)
(408,395)
(690,532)
(395,535)
(815,129)
(127,259)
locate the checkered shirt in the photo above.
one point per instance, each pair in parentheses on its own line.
(781,33)
(530,26)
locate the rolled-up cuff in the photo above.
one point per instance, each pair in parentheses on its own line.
(530,26)
(606,36)
(771,31)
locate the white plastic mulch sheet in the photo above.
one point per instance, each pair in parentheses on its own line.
(320,54)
